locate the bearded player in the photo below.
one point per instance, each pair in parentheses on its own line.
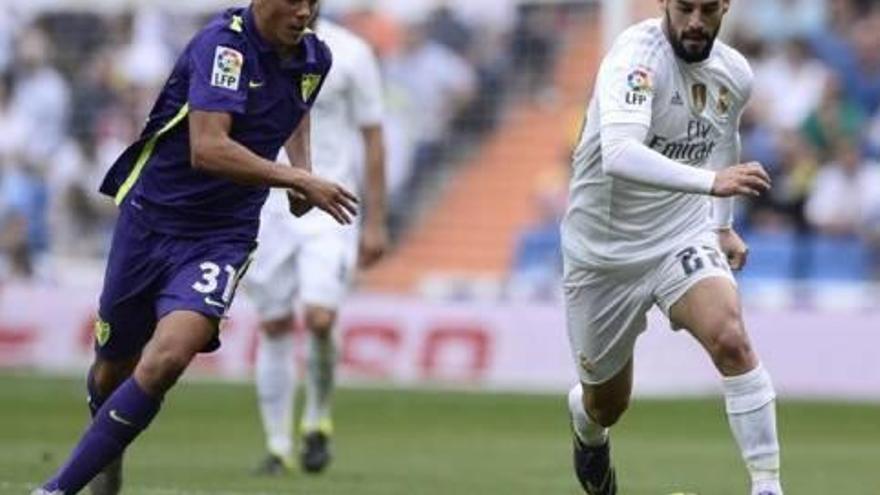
(649,223)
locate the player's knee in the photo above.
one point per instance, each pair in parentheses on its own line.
(606,413)
(160,369)
(278,327)
(730,345)
(320,321)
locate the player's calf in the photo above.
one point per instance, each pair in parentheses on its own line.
(104,377)
(605,414)
(109,480)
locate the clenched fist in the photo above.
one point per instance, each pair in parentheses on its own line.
(747,179)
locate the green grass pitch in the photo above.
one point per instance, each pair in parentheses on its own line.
(408,442)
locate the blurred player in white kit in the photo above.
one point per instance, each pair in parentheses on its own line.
(662,138)
(312,261)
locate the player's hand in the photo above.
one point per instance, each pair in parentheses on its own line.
(734,248)
(373,245)
(746,179)
(334,199)
(298,203)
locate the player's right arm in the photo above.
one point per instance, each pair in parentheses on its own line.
(215,152)
(625,156)
(627,84)
(219,62)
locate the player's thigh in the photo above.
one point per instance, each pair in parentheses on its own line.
(272,281)
(179,336)
(605,314)
(697,291)
(327,268)
(682,274)
(710,311)
(126,316)
(181,332)
(705,306)
(204,275)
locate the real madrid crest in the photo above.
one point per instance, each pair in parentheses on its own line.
(699,96)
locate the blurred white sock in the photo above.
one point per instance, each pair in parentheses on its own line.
(275,376)
(320,377)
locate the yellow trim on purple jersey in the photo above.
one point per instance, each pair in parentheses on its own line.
(145,154)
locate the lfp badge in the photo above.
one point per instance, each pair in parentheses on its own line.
(639,80)
(640,86)
(227,68)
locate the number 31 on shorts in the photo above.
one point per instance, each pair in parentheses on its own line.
(209,282)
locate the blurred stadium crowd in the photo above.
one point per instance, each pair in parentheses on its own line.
(75,87)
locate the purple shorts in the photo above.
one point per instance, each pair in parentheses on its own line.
(150,274)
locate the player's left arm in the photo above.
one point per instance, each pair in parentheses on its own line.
(732,245)
(727,154)
(299,153)
(298,145)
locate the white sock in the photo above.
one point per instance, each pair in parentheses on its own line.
(588,431)
(751,412)
(275,375)
(320,374)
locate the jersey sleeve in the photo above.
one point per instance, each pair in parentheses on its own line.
(366,93)
(627,83)
(217,81)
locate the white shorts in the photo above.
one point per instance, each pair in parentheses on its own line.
(314,269)
(606,308)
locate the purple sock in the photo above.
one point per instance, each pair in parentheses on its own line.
(127,412)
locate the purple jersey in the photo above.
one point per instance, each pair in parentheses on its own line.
(227,67)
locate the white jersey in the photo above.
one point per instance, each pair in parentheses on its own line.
(692,112)
(351,98)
